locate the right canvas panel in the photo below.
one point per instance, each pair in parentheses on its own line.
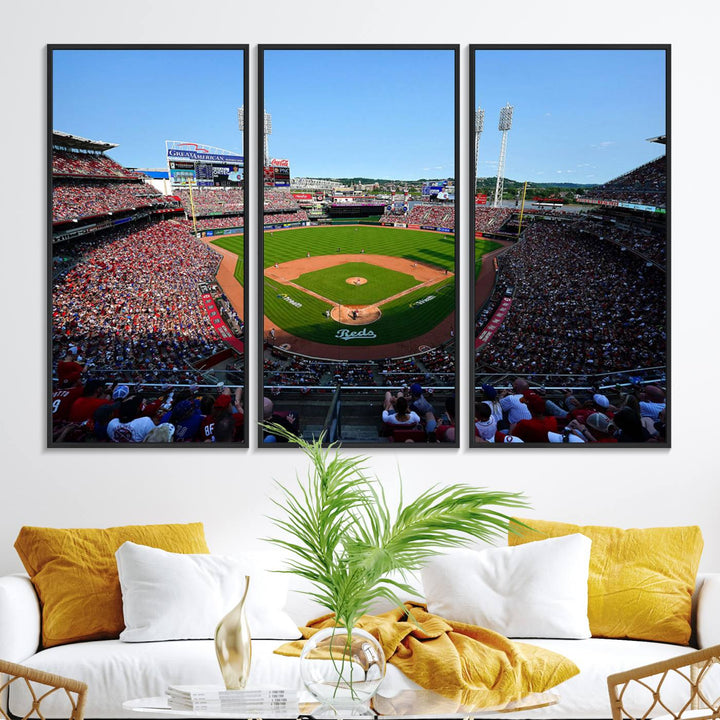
(570,299)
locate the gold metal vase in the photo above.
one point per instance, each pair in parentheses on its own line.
(233,646)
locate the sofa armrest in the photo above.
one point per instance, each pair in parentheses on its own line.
(19,618)
(708,610)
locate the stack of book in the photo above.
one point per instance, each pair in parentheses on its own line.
(258,701)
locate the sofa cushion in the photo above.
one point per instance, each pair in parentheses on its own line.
(181,596)
(534,590)
(641,580)
(75,574)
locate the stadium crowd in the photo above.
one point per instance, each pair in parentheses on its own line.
(646,185)
(210,223)
(101,412)
(522,414)
(431,215)
(579,306)
(289,217)
(72,201)
(67,162)
(279,199)
(647,241)
(489,219)
(210,200)
(129,304)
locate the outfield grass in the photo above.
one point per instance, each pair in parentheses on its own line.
(483,247)
(381,283)
(235,244)
(401,319)
(435,249)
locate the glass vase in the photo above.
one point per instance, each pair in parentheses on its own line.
(233,645)
(342,670)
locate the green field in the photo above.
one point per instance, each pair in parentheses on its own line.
(435,249)
(235,244)
(381,283)
(483,247)
(304,316)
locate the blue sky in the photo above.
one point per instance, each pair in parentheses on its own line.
(372,113)
(579,115)
(335,113)
(140,98)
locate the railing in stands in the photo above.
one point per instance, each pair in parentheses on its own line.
(332,427)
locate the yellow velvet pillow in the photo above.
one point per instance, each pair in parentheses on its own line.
(641,580)
(76,578)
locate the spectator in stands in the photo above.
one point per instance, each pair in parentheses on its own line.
(69,370)
(185,416)
(652,402)
(535,429)
(446,430)
(601,428)
(423,408)
(286,419)
(629,426)
(514,409)
(94,394)
(397,413)
(130,426)
(222,408)
(490,395)
(485,422)
(64,397)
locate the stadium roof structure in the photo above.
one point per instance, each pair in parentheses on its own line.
(659,139)
(80,143)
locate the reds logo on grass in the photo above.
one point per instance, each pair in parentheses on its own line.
(344,334)
(288,299)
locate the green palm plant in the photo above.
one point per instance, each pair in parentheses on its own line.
(344,538)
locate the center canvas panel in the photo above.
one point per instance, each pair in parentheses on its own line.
(358,243)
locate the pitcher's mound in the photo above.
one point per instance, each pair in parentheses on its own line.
(355,314)
(356,281)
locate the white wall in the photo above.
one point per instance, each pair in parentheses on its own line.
(228,489)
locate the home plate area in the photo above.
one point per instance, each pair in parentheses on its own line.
(355,314)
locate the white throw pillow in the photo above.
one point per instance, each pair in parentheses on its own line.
(536,590)
(176,596)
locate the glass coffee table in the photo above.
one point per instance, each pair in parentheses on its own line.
(412,704)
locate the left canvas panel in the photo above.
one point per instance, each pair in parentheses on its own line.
(146,245)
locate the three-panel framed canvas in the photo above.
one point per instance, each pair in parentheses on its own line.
(394,301)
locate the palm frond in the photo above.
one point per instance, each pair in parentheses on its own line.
(346,541)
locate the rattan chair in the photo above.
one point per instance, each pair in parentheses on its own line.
(41,685)
(692,679)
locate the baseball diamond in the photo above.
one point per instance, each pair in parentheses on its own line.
(397,284)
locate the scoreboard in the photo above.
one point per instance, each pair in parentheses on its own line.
(277,174)
(205,165)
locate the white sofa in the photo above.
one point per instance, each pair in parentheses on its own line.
(116,671)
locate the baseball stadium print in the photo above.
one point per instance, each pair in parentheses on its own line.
(358,253)
(146,250)
(570,301)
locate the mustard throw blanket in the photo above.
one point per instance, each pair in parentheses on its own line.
(468,665)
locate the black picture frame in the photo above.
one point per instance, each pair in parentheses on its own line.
(662,377)
(329,423)
(84,438)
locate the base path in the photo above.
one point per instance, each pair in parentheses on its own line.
(226,278)
(292,269)
(486,278)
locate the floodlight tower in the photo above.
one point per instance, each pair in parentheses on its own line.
(267,130)
(479,126)
(504,125)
